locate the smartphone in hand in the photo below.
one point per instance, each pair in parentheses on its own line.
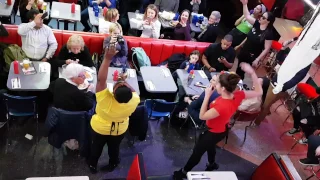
(44,15)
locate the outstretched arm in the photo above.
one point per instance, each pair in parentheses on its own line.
(246,12)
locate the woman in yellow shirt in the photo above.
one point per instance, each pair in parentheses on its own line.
(112,115)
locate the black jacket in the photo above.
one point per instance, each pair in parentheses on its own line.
(84,56)
(138,123)
(64,125)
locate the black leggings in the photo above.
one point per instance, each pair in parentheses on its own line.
(238,37)
(244,56)
(97,144)
(206,143)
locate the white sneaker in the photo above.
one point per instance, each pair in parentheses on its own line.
(292,132)
(303,141)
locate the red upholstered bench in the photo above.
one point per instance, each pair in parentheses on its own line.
(157,49)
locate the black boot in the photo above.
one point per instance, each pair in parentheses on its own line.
(179,175)
(93,169)
(211,167)
(111,166)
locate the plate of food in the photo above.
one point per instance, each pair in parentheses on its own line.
(84,85)
(173,23)
(88,75)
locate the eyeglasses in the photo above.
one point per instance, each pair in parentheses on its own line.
(263,18)
(82,75)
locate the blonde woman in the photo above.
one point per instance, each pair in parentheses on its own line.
(75,51)
(151,25)
(116,38)
(112,16)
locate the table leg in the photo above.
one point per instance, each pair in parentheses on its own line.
(75,26)
(58,22)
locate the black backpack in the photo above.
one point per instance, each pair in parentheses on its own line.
(175,60)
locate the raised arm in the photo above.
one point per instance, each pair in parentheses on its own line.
(246,12)
(238,21)
(110,51)
(257,86)
(206,114)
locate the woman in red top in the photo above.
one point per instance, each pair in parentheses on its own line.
(218,115)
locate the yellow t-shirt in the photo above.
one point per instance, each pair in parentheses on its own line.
(108,110)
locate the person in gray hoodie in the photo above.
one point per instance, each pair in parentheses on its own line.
(167,5)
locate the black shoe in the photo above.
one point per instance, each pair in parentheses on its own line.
(109,167)
(92,169)
(309,162)
(179,175)
(211,167)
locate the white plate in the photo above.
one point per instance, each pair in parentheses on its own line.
(89,76)
(84,85)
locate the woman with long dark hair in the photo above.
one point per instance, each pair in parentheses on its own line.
(218,116)
(259,39)
(243,27)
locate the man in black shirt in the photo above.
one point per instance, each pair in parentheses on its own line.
(219,56)
(66,92)
(211,32)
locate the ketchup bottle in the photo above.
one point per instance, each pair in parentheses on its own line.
(73,8)
(9,2)
(115,75)
(16,67)
(105,9)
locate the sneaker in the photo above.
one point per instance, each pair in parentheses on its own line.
(303,141)
(292,132)
(179,175)
(212,167)
(309,162)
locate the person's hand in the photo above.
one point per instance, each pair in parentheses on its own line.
(113,39)
(195,97)
(304,121)
(318,151)
(38,19)
(255,63)
(209,90)
(69,61)
(223,60)
(44,60)
(161,36)
(244,2)
(187,99)
(211,69)
(31,2)
(247,68)
(110,52)
(123,76)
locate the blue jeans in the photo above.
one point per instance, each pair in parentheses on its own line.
(85,18)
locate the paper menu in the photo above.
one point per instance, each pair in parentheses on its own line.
(43,68)
(16,84)
(165,72)
(131,73)
(55,13)
(110,87)
(202,74)
(151,85)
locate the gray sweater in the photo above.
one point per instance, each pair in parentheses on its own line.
(167,5)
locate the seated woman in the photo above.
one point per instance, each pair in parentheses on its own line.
(120,59)
(182,28)
(75,51)
(212,30)
(66,94)
(112,16)
(151,25)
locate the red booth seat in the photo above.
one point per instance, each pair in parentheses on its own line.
(158,50)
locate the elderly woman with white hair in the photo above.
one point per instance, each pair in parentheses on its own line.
(75,51)
(66,92)
(212,30)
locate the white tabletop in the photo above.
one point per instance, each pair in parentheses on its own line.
(92,18)
(6,10)
(287,29)
(63,11)
(191,89)
(132,78)
(225,175)
(60,178)
(47,10)
(34,82)
(158,79)
(134,18)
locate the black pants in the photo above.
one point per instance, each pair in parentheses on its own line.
(313,143)
(308,128)
(206,143)
(244,56)
(98,142)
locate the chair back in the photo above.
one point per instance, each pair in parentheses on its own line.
(307,90)
(246,115)
(19,105)
(69,1)
(271,168)
(159,105)
(137,170)
(276,45)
